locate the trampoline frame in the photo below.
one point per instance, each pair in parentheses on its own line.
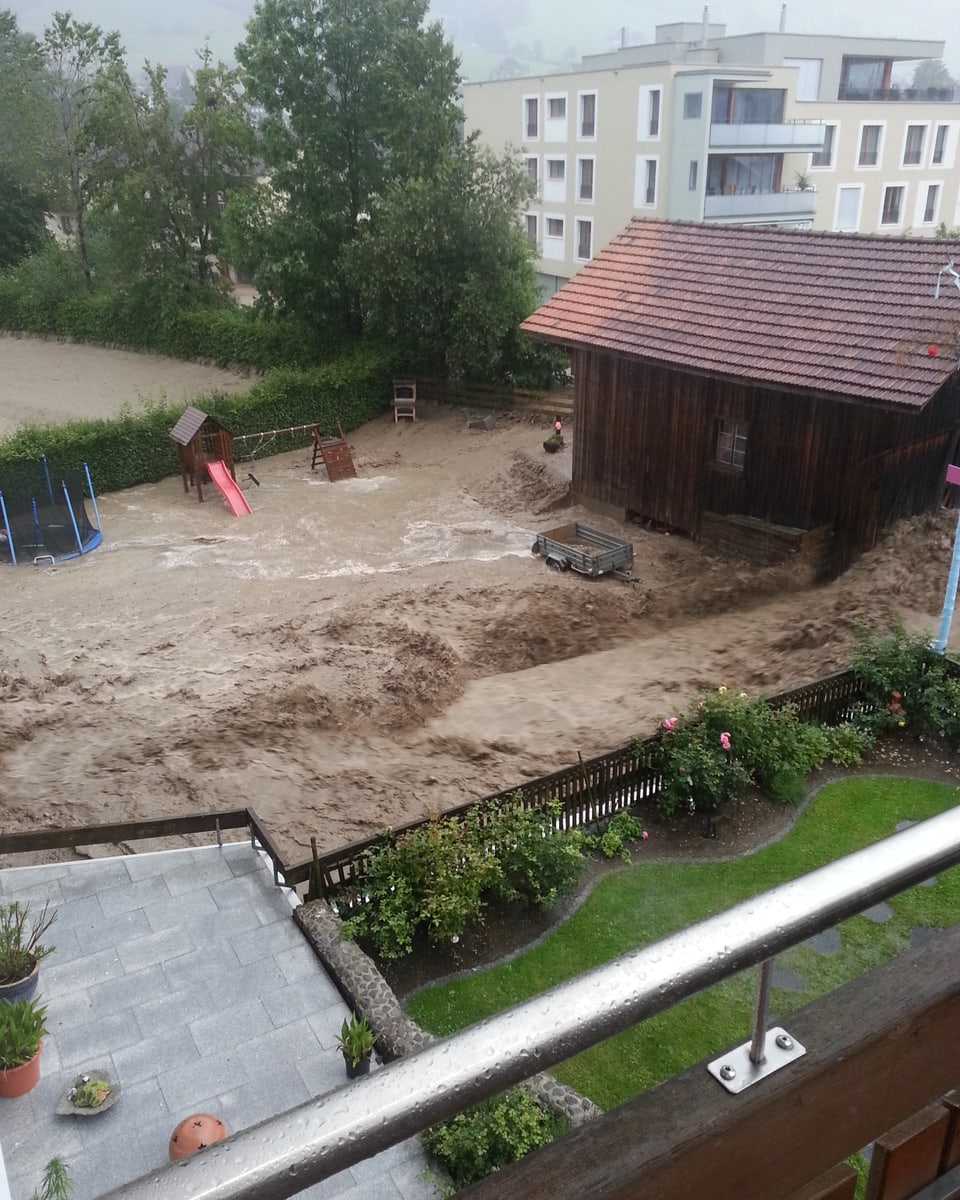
(83,547)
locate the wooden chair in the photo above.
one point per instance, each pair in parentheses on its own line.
(404,397)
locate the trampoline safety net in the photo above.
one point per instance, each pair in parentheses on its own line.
(44,513)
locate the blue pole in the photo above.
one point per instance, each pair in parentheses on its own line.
(6,525)
(950,596)
(93,499)
(73,519)
(37,531)
(46,475)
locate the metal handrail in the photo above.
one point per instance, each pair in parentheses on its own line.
(288,1153)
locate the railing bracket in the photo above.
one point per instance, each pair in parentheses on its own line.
(736,1070)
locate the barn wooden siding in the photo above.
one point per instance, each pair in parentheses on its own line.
(645,441)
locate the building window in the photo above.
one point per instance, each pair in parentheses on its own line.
(869,146)
(653,124)
(584,239)
(848,209)
(531,119)
(556,169)
(588,115)
(932,202)
(913,146)
(532,171)
(650,185)
(555,227)
(694,172)
(557,108)
(824,157)
(692,105)
(531,220)
(731,444)
(585,190)
(940,144)
(892,205)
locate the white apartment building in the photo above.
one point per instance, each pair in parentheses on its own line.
(784,129)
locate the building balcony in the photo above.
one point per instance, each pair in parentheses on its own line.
(785,137)
(943,95)
(791,205)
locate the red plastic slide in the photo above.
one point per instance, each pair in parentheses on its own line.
(236,500)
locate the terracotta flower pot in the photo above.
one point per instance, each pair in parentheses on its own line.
(194,1133)
(17,1081)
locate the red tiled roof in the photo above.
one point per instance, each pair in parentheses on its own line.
(826,312)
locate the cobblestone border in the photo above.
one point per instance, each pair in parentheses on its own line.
(368,993)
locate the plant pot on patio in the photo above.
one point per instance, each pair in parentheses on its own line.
(21,949)
(22,1030)
(356,1041)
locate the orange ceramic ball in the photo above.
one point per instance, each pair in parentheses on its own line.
(193,1133)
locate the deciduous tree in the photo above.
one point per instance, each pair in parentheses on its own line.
(445,269)
(356,97)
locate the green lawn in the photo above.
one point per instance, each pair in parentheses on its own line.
(640,904)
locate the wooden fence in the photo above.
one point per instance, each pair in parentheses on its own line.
(589,793)
(478,395)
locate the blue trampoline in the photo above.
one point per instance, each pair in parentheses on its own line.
(43,514)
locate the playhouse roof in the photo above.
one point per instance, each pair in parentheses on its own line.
(187,427)
(827,312)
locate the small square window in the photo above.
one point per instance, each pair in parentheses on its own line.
(555,227)
(556,169)
(731,448)
(557,108)
(692,105)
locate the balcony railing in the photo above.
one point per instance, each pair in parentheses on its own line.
(792,204)
(791,135)
(914,95)
(876,1051)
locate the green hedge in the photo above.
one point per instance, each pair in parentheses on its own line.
(136,448)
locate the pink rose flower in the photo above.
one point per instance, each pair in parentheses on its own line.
(725,740)
(671,723)
(645,835)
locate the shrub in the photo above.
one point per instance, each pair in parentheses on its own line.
(538,863)
(907,685)
(491,1135)
(728,742)
(623,827)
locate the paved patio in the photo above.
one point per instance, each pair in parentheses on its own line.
(182,973)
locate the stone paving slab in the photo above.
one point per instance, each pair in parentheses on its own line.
(183,973)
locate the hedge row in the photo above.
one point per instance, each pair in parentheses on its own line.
(225,336)
(136,448)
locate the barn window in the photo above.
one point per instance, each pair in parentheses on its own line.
(731,444)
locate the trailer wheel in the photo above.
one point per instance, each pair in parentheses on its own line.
(558,564)
(535,548)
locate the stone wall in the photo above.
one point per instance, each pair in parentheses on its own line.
(368,993)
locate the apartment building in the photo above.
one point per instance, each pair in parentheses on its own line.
(796,130)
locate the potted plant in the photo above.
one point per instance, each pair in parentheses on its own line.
(356,1040)
(21,1031)
(92,1092)
(21,949)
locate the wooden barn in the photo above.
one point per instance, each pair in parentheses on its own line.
(770,392)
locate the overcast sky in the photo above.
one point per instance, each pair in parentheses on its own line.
(177,27)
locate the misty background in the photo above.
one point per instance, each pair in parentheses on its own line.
(504,37)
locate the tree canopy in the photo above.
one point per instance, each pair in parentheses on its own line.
(357,97)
